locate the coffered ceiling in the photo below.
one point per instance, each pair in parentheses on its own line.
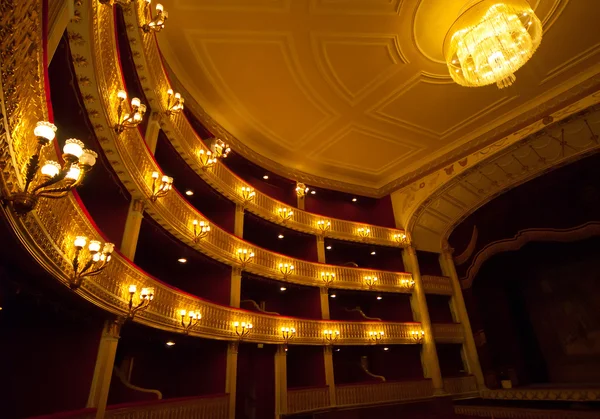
(356,90)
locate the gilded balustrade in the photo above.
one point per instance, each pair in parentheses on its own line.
(448,332)
(437,284)
(134,164)
(460,385)
(306,399)
(382,392)
(187,142)
(205,407)
(522,413)
(49,231)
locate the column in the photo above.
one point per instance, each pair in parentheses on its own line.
(238,226)
(431,364)
(105,361)
(280,381)
(329,375)
(300,201)
(236,287)
(469,348)
(152,131)
(60,13)
(132,228)
(231,376)
(321,249)
(324,294)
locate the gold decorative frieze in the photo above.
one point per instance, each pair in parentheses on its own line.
(188,143)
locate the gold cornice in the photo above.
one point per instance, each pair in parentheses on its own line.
(134,164)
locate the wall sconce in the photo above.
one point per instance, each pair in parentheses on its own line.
(160,189)
(288,333)
(174,103)
(301,189)
(146,297)
(219,148)
(364,232)
(193,317)
(331,336)
(370,281)
(407,283)
(324,225)
(201,230)
(245,256)
(242,329)
(94,262)
(417,335)
(285,214)
(286,269)
(111,2)
(128,120)
(401,239)
(248,194)
(376,336)
(327,278)
(206,159)
(157,24)
(53,180)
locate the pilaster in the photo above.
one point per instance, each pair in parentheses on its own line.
(321,249)
(300,201)
(280,381)
(324,295)
(133,223)
(236,287)
(152,131)
(231,376)
(419,304)
(469,347)
(105,361)
(329,375)
(238,226)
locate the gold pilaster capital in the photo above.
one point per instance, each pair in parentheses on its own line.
(138,206)
(239,209)
(112,328)
(324,290)
(320,239)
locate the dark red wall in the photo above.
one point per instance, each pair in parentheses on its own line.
(449,356)
(439,308)
(305,366)
(255,396)
(398,363)
(392,307)
(429,263)
(346,253)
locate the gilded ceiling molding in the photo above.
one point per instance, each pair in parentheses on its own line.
(186,141)
(49,231)
(468,252)
(445,198)
(525,236)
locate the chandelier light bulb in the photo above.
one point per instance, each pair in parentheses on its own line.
(45,130)
(73,173)
(94,246)
(80,242)
(73,147)
(50,168)
(122,94)
(135,102)
(132,289)
(88,157)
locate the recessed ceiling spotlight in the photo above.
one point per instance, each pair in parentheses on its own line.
(170,343)
(265,177)
(282,289)
(379,297)
(280,236)
(373,253)
(328,248)
(386,349)
(189,193)
(332,295)
(313,192)
(182,260)
(338,349)
(354,199)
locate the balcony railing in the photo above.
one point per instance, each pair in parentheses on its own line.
(460,385)
(521,413)
(306,399)
(448,332)
(355,394)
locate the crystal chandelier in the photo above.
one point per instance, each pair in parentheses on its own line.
(490,41)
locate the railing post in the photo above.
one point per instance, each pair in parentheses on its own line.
(105,361)
(469,348)
(231,377)
(280,381)
(431,364)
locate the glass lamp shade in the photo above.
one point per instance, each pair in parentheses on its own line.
(94,246)
(122,94)
(490,41)
(142,109)
(80,242)
(73,147)
(183,312)
(135,102)
(132,289)
(73,173)
(108,248)
(50,168)
(88,158)
(45,130)
(159,7)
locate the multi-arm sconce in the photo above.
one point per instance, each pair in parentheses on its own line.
(330,336)
(193,317)
(401,239)
(52,180)
(245,256)
(364,232)
(417,335)
(174,103)
(219,148)
(160,189)
(327,278)
(286,269)
(128,120)
(301,189)
(157,23)
(371,281)
(324,225)
(408,283)
(206,159)
(242,329)
(201,230)
(92,262)
(288,333)
(285,214)
(376,336)
(145,298)
(248,194)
